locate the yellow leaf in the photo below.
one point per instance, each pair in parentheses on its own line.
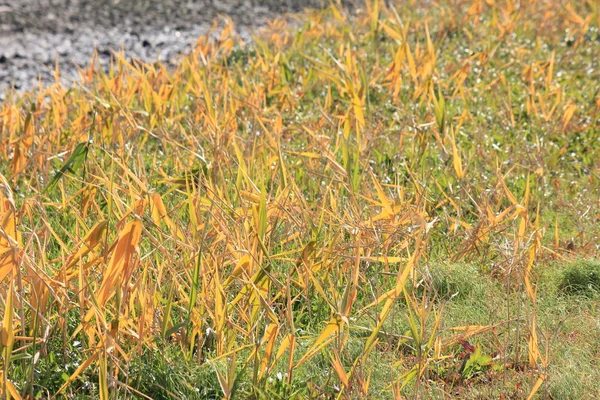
(456,158)
(532,345)
(102,378)
(285,344)
(77,372)
(120,264)
(160,214)
(340,371)
(244,265)
(469,328)
(89,242)
(536,387)
(385,203)
(323,340)
(14,393)
(358,111)
(7,336)
(569,112)
(384,259)
(270,338)
(9,236)
(411,63)
(390,297)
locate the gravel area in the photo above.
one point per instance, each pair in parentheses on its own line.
(34,34)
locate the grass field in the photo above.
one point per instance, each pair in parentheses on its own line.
(394,203)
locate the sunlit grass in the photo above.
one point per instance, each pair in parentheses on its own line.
(356,205)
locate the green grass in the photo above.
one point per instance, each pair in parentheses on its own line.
(377,204)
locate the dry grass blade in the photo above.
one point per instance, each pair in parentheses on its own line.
(332,327)
(119,269)
(370,195)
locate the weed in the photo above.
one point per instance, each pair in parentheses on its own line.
(364,204)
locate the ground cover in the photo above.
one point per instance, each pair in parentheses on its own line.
(398,202)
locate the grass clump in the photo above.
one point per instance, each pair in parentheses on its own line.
(447,281)
(581,277)
(358,205)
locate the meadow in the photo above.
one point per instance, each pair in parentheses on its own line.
(392,202)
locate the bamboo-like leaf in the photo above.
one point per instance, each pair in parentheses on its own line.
(269,338)
(538,383)
(73,163)
(195,282)
(103,377)
(7,335)
(456,158)
(384,259)
(332,327)
(167,312)
(121,262)
(439,109)
(569,112)
(88,243)
(339,370)
(84,365)
(262,214)
(9,235)
(12,391)
(160,214)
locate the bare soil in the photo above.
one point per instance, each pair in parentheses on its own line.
(35,34)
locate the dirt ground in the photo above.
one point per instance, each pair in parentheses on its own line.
(36,33)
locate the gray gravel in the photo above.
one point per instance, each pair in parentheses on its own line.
(34,34)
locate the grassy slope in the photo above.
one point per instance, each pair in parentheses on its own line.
(349,208)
